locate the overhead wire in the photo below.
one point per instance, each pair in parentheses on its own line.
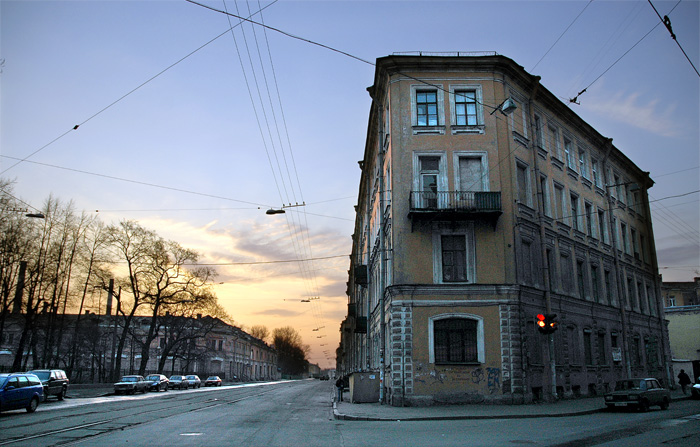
(667,22)
(561,35)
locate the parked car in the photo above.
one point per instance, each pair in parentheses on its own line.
(638,393)
(157,382)
(213,381)
(20,390)
(695,389)
(55,382)
(194,381)
(130,385)
(179,382)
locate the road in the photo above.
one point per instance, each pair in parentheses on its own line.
(300,414)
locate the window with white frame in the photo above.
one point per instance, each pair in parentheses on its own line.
(466,106)
(456,338)
(596,173)
(582,166)
(454,254)
(471,171)
(429,178)
(427,105)
(523,182)
(553,144)
(569,153)
(538,131)
(559,202)
(545,196)
(575,212)
(602,228)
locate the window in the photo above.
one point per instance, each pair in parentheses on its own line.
(617,185)
(523,180)
(467,114)
(671,301)
(453,255)
(575,212)
(631,294)
(589,218)
(568,153)
(538,131)
(465,108)
(602,229)
(635,248)
(428,180)
(624,245)
(640,297)
(588,346)
(602,354)
(550,266)
(545,196)
(652,301)
(426,108)
(595,288)
(527,260)
(471,171)
(454,258)
(553,144)
(456,339)
(582,163)
(575,349)
(581,279)
(559,202)
(596,173)
(609,286)
(567,274)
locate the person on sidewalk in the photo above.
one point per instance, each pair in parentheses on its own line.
(339,386)
(683,380)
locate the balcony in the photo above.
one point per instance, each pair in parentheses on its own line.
(455,205)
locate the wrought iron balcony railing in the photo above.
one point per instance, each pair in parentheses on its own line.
(456,202)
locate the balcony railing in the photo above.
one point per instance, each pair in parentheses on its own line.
(455,204)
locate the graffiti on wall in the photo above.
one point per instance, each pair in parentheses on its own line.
(490,377)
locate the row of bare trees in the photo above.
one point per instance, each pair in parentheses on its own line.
(51,268)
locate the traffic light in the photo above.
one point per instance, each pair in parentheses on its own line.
(547,324)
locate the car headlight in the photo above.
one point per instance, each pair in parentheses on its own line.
(608,397)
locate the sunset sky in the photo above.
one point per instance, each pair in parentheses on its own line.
(195,133)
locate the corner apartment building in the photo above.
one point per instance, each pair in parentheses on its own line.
(484,201)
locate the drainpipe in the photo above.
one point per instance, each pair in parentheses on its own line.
(382,252)
(543,245)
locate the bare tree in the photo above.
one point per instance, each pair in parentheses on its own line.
(291,351)
(261,332)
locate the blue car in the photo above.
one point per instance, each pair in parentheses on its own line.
(20,390)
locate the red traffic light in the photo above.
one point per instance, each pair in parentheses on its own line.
(547,324)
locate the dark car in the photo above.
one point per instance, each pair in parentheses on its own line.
(179,382)
(639,394)
(194,381)
(20,390)
(55,382)
(130,385)
(157,382)
(213,381)
(695,389)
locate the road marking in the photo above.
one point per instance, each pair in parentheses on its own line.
(191,434)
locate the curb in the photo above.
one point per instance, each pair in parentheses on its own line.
(347,417)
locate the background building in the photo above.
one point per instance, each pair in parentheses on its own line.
(682,301)
(483,202)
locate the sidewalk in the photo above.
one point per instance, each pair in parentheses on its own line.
(376,412)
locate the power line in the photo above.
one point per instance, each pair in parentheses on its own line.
(113,103)
(112,177)
(562,35)
(275,262)
(667,22)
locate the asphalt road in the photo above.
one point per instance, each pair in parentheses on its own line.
(300,414)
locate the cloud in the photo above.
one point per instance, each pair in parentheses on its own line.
(278,313)
(638,110)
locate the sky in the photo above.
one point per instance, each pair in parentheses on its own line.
(195,130)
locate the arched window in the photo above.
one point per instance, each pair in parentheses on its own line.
(456,339)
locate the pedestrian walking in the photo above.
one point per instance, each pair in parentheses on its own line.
(683,380)
(339,385)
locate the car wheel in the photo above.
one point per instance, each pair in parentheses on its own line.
(31,408)
(664,405)
(62,394)
(644,406)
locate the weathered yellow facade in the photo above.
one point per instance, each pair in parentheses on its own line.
(483,202)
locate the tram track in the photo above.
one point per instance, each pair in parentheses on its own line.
(148,411)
